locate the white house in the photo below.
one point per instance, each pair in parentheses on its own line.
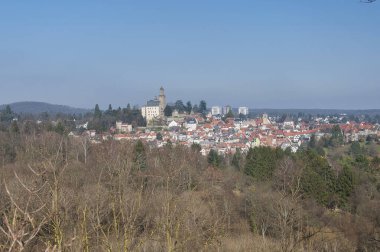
(191,124)
(123,127)
(173,124)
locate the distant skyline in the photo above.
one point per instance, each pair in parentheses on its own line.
(259,54)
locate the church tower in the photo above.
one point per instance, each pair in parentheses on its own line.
(162,100)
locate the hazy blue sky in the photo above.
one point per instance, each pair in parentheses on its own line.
(265,53)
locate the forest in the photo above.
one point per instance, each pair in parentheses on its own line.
(60,193)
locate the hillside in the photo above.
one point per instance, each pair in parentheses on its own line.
(68,194)
(40,107)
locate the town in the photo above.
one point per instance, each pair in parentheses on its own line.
(224,131)
(190,126)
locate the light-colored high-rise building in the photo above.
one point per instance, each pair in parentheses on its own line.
(243,110)
(215,110)
(226,109)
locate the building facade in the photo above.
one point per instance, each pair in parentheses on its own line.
(154,108)
(215,110)
(123,127)
(226,109)
(162,101)
(243,110)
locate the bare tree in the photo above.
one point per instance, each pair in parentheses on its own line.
(23,221)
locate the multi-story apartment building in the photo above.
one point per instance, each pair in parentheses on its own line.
(216,110)
(226,109)
(243,110)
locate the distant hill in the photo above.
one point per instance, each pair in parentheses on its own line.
(40,107)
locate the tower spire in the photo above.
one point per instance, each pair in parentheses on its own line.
(162,100)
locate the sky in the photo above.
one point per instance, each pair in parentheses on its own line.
(256,53)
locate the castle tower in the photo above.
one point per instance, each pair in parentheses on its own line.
(162,100)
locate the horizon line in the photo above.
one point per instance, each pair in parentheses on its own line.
(250,108)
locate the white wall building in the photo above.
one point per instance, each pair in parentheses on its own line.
(154,108)
(191,124)
(173,124)
(243,110)
(150,112)
(216,110)
(123,127)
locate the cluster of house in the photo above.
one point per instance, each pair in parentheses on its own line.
(226,136)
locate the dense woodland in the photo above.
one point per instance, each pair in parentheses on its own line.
(65,194)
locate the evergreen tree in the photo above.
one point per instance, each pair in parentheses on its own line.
(313,185)
(140,156)
(159,136)
(195,108)
(7,114)
(362,162)
(320,151)
(261,162)
(356,149)
(312,142)
(8,110)
(168,111)
(109,110)
(202,107)
(236,159)
(229,114)
(189,107)
(213,158)
(336,136)
(60,129)
(345,185)
(179,106)
(318,180)
(97,113)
